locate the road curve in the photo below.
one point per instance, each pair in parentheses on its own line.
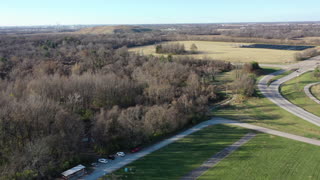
(273,94)
(307,90)
(120,162)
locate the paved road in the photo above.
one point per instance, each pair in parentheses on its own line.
(307,90)
(272,91)
(214,160)
(123,161)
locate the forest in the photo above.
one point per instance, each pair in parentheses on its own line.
(64,96)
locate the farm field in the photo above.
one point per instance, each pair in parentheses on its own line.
(261,111)
(293,91)
(315,90)
(269,157)
(230,51)
(178,158)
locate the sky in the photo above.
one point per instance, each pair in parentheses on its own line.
(65,12)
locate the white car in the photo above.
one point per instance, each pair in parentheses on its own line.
(121,154)
(102,160)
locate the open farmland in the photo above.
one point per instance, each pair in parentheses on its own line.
(269,157)
(229,51)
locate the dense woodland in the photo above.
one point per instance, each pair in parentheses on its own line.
(62,96)
(66,95)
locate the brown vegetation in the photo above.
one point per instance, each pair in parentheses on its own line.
(63,96)
(172,48)
(306,54)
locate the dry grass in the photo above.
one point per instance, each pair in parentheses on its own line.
(229,51)
(104,29)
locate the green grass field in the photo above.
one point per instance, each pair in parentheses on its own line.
(268,157)
(178,158)
(293,91)
(261,111)
(280,76)
(229,51)
(315,90)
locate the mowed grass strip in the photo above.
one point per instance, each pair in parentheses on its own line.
(229,51)
(315,90)
(275,78)
(179,158)
(293,90)
(261,111)
(268,157)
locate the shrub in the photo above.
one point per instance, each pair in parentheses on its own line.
(309,53)
(316,72)
(252,67)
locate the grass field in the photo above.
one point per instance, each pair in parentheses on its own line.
(315,90)
(262,112)
(229,51)
(293,91)
(177,159)
(280,76)
(268,157)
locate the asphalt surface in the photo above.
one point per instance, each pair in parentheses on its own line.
(120,162)
(272,92)
(307,90)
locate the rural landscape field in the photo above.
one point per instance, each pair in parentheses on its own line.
(231,52)
(146,90)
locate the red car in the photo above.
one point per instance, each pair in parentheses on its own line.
(135,149)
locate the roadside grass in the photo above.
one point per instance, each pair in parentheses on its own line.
(315,90)
(261,111)
(268,157)
(229,51)
(184,155)
(293,90)
(280,76)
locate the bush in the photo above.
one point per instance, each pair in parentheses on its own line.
(252,67)
(316,72)
(309,53)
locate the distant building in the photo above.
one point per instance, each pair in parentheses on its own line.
(74,173)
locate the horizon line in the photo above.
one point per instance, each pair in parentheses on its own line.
(249,22)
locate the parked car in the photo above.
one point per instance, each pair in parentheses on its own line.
(94,164)
(121,154)
(102,160)
(112,157)
(135,149)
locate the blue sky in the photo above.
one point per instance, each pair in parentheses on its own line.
(52,12)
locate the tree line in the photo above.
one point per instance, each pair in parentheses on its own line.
(64,96)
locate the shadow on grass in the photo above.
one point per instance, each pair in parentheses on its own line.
(181,157)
